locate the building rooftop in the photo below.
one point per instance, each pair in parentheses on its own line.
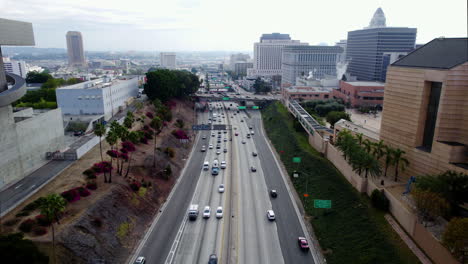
(364,83)
(440,53)
(95,84)
(275,36)
(307,89)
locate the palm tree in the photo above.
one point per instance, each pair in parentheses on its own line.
(379,150)
(344,142)
(134,138)
(100,130)
(399,161)
(367,144)
(51,207)
(111,138)
(155,124)
(371,165)
(357,160)
(359,138)
(388,158)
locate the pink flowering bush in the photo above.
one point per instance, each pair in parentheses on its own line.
(102,167)
(83,191)
(150,115)
(113,153)
(71,195)
(129,146)
(91,186)
(180,134)
(42,220)
(135,186)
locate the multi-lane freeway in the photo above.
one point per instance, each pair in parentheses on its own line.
(243,234)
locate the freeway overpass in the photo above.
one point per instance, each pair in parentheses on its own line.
(238,98)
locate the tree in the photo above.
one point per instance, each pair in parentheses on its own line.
(37,77)
(335,116)
(399,161)
(345,142)
(51,208)
(130,147)
(371,166)
(260,86)
(53,83)
(100,130)
(367,145)
(388,158)
(155,124)
(430,205)
(359,138)
(193,70)
(15,249)
(165,84)
(455,236)
(112,139)
(379,150)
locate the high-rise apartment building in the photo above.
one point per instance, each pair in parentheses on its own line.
(300,60)
(425,112)
(75,49)
(365,47)
(240,68)
(15,67)
(168,60)
(239,57)
(268,54)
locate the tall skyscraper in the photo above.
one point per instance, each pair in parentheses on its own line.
(268,54)
(168,60)
(365,47)
(75,49)
(300,60)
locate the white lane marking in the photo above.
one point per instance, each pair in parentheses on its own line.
(32,186)
(18,186)
(170,256)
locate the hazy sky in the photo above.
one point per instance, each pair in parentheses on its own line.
(175,25)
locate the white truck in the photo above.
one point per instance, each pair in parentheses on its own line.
(193,212)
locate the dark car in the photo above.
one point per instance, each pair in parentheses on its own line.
(273,193)
(254,154)
(213,259)
(253,169)
(78,133)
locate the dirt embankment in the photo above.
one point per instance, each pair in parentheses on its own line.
(105,226)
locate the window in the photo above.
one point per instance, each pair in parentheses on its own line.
(326,96)
(431,116)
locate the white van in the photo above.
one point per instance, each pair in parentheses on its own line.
(215,164)
(206,165)
(252,132)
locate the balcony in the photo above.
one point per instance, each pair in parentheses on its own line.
(17,90)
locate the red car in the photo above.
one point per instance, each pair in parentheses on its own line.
(303,244)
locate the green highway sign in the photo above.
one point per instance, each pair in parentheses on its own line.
(226,98)
(322,204)
(242,107)
(296,160)
(255,107)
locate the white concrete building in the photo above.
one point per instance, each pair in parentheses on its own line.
(168,60)
(97,97)
(15,67)
(268,54)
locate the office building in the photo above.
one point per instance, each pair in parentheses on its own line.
(240,68)
(301,60)
(168,60)
(425,112)
(26,135)
(75,49)
(239,57)
(365,47)
(104,96)
(268,54)
(360,93)
(15,67)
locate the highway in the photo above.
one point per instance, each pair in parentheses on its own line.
(243,234)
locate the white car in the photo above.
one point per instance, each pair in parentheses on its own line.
(210,146)
(219,212)
(207,212)
(140,260)
(271,215)
(218,152)
(243,141)
(223,164)
(221,188)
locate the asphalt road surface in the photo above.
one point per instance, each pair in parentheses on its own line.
(243,234)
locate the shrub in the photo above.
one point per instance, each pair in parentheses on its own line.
(379,200)
(91,186)
(146,127)
(456,235)
(135,186)
(179,134)
(144,140)
(42,220)
(97,222)
(430,205)
(83,192)
(170,152)
(150,115)
(179,123)
(39,230)
(11,222)
(71,195)
(27,225)
(89,173)
(22,213)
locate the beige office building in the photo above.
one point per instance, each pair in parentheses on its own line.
(425,110)
(75,49)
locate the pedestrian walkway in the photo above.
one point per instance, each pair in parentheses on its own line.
(408,241)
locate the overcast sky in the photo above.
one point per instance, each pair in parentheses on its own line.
(201,25)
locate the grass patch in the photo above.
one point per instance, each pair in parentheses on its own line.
(142,191)
(353,231)
(123,230)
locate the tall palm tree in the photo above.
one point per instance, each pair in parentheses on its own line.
(155,124)
(367,144)
(379,150)
(134,137)
(51,207)
(100,130)
(357,161)
(111,138)
(359,138)
(399,161)
(344,142)
(371,166)
(388,158)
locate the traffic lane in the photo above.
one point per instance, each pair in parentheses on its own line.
(289,227)
(157,247)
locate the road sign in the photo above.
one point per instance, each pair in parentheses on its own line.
(306,195)
(322,204)
(296,174)
(255,107)
(226,98)
(296,160)
(242,107)
(201,127)
(219,127)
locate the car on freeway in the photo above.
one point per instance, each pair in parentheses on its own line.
(221,188)
(253,169)
(212,134)
(218,152)
(214,171)
(209,122)
(140,260)
(213,259)
(273,193)
(254,154)
(219,140)
(219,136)
(236,134)
(210,146)
(204,137)
(250,127)
(303,243)
(219,132)
(243,141)
(271,215)
(206,165)
(225,150)
(225,139)
(225,132)
(203,148)
(207,212)
(218,146)
(242,120)
(219,212)
(223,164)
(248,135)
